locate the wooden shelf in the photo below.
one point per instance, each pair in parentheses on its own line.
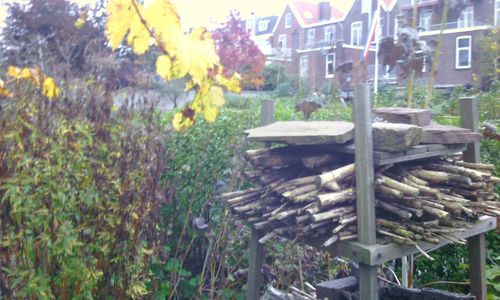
(377,254)
(416,152)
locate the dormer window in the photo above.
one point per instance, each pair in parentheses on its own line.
(288,20)
(263,25)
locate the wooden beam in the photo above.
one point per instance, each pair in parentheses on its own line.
(365,187)
(476,245)
(256,259)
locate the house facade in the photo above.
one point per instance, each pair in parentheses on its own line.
(311,37)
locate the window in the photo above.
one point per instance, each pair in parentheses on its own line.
(356,31)
(288,20)
(330,65)
(463,52)
(330,34)
(466,18)
(282,41)
(304,66)
(263,25)
(311,35)
(497,13)
(425,19)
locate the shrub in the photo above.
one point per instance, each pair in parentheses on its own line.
(79,194)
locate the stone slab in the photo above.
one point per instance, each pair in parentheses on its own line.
(442,134)
(303,132)
(413,116)
(394,137)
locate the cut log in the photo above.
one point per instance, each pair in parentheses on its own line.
(431,176)
(404,188)
(483,167)
(474,175)
(335,176)
(313,162)
(393,209)
(395,137)
(441,214)
(300,191)
(412,116)
(333,213)
(336,198)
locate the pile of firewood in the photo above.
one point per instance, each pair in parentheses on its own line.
(309,192)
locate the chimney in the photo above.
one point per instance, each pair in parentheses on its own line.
(324,10)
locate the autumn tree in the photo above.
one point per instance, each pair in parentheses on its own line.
(238,53)
(46,34)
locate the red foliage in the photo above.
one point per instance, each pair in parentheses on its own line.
(238,53)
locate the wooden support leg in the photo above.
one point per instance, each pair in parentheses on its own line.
(477,266)
(365,186)
(476,244)
(368,282)
(254,280)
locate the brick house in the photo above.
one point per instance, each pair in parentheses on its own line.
(261,32)
(312,37)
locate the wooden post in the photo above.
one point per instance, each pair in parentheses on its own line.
(365,182)
(476,244)
(256,258)
(267,112)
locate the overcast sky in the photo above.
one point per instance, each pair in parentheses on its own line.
(205,12)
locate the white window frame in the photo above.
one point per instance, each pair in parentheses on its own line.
(311,37)
(330,58)
(466,18)
(282,41)
(263,24)
(288,20)
(425,19)
(356,26)
(396,29)
(304,66)
(458,50)
(329,34)
(497,13)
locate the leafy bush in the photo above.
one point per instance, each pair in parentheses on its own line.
(79,194)
(285,89)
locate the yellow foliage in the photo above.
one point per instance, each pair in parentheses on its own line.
(34,76)
(50,90)
(191,55)
(3,90)
(163,66)
(80,22)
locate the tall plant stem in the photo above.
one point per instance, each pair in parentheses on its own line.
(435,62)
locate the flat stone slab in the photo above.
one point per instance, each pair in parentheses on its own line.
(413,116)
(442,134)
(304,132)
(394,137)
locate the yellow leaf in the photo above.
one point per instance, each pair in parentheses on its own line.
(120,12)
(50,89)
(234,83)
(215,96)
(139,37)
(210,113)
(80,22)
(181,123)
(13,71)
(163,66)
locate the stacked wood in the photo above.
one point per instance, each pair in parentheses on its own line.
(311,194)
